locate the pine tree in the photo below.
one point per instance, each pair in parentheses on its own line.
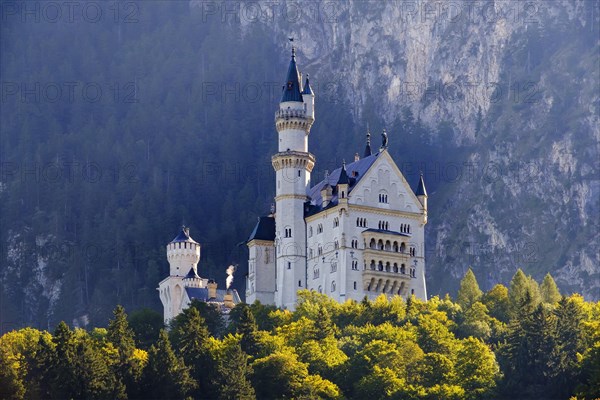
(568,330)
(549,290)
(165,376)
(469,291)
(233,375)
(11,385)
(247,328)
(190,340)
(64,382)
(121,336)
(522,293)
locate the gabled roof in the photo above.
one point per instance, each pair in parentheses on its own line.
(291,89)
(183,236)
(354,171)
(421,188)
(264,229)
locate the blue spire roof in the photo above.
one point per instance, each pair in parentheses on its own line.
(192,274)
(183,236)
(344,180)
(307,88)
(421,188)
(291,89)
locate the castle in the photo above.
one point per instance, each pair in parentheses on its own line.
(359,232)
(183,283)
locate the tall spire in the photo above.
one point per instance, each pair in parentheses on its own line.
(291,89)
(421,187)
(307,88)
(368,151)
(343,180)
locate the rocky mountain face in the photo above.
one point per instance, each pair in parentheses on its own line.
(508,94)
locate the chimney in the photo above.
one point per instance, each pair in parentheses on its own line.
(356,157)
(228,299)
(212,289)
(326,194)
(187,231)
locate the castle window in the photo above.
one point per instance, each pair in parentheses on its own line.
(320,290)
(289,265)
(298,173)
(319,250)
(333,266)
(319,228)
(310,231)
(288,232)
(315,272)
(354,285)
(402,269)
(299,283)
(412,291)
(354,244)
(336,222)
(336,245)
(267,258)
(333,286)
(355,265)
(383,198)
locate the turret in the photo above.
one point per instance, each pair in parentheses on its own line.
(183,253)
(326,194)
(308,97)
(343,185)
(422,195)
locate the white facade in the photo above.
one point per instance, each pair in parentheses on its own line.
(359,232)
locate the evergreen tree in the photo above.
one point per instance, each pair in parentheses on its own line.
(233,375)
(549,290)
(568,336)
(247,328)
(146,324)
(11,384)
(121,336)
(469,291)
(64,381)
(190,340)
(165,376)
(497,302)
(522,294)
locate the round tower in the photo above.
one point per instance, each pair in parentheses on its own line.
(293,165)
(183,253)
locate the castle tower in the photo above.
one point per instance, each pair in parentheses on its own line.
(293,165)
(183,254)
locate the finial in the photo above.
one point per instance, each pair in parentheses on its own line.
(291,39)
(344,163)
(272,208)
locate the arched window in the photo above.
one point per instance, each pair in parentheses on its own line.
(395,268)
(380,266)
(333,266)
(354,285)
(387,267)
(402,269)
(320,290)
(288,232)
(333,286)
(311,253)
(380,244)
(267,256)
(373,244)
(336,245)
(315,272)
(319,250)
(310,231)
(319,228)
(336,222)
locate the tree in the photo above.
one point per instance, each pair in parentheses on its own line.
(497,302)
(549,290)
(469,291)
(190,336)
(324,327)
(234,374)
(279,375)
(146,324)
(165,376)
(247,328)
(569,344)
(522,294)
(476,369)
(11,384)
(121,336)
(476,322)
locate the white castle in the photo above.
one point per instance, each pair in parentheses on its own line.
(183,284)
(359,232)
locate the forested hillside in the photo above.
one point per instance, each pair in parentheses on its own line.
(118,127)
(524,342)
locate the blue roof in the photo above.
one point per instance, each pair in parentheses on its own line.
(264,229)
(291,89)
(355,171)
(183,236)
(421,188)
(307,88)
(192,274)
(202,295)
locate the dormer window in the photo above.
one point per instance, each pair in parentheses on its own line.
(383,198)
